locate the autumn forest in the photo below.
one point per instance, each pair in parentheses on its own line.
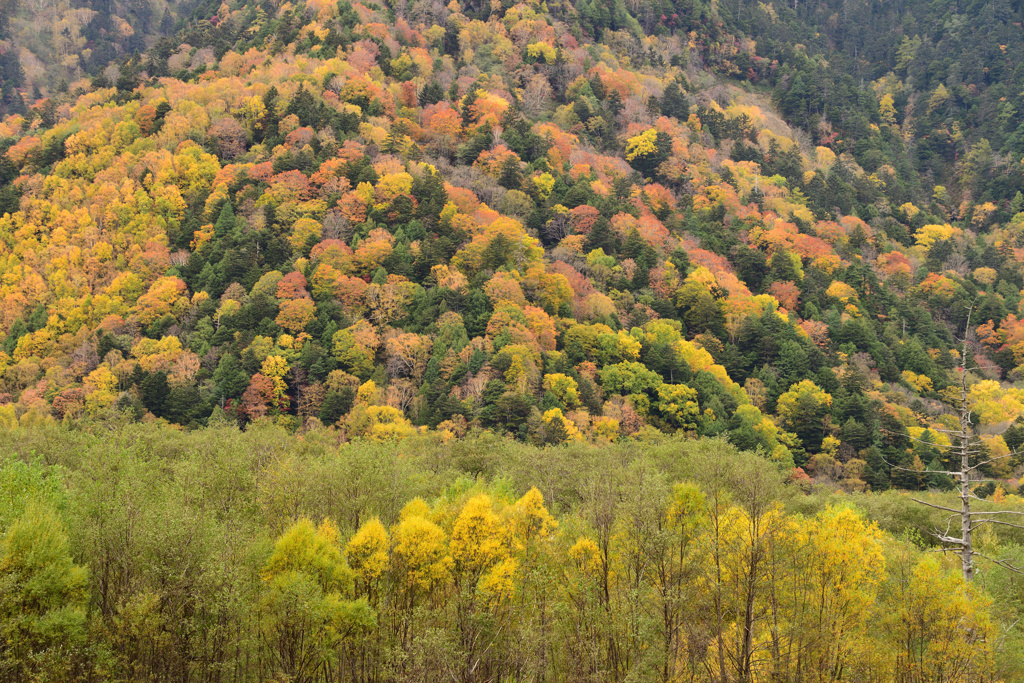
(640,340)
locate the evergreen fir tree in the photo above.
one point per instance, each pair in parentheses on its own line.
(673,102)
(432,93)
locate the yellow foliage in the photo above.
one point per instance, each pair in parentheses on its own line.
(774,438)
(886,110)
(531,518)
(545,183)
(379,423)
(928,235)
(699,359)
(417,507)
(995,403)
(824,156)
(498,584)
(554,417)
(929,435)
(274,366)
(586,556)
(100,379)
(304,231)
(479,537)
(848,564)
(985,275)
(367,550)
(310,550)
(8,418)
(937,623)
(802,402)
(841,291)
(420,556)
(642,144)
(563,387)
(367,392)
(830,445)
(704,277)
(919,383)
(390,186)
(157,355)
(542,49)
(606,428)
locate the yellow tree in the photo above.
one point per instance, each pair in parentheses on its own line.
(479,540)
(168,295)
(675,568)
(738,547)
(484,576)
(934,625)
(367,553)
(275,368)
(535,606)
(99,386)
(825,583)
(564,389)
(420,567)
(307,601)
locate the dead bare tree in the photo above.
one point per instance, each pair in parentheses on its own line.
(967,446)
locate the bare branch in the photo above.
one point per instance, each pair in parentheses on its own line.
(997,512)
(974,497)
(937,507)
(1001,563)
(911,469)
(951,540)
(990,460)
(975,525)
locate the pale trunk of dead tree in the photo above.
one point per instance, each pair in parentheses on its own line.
(966,551)
(966,548)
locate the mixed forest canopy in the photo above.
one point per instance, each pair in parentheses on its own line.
(401,340)
(555,222)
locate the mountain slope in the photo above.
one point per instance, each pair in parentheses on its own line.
(457,217)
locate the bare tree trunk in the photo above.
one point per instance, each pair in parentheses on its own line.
(966,550)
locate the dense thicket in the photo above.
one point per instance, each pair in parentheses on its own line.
(143,553)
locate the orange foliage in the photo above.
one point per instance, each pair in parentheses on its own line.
(787,293)
(543,327)
(893,263)
(504,288)
(331,251)
(493,161)
(721,269)
(166,296)
(293,315)
(582,219)
(816,330)
(464,200)
(562,143)
(657,198)
(292,286)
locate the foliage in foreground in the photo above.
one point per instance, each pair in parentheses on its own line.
(141,553)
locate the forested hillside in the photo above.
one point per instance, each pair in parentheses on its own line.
(481,341)
(549,221)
